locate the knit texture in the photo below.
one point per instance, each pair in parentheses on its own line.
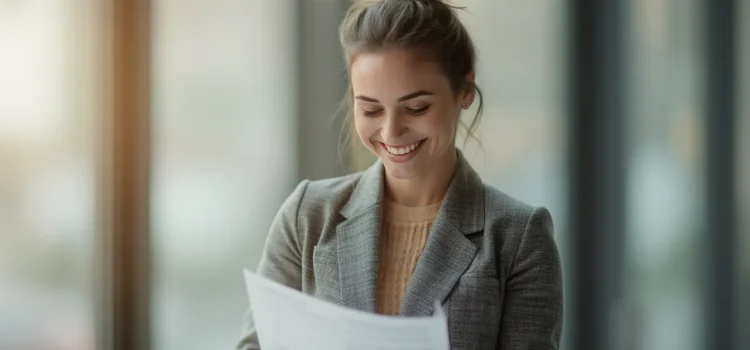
(404,234)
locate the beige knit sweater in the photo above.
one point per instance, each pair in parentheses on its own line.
(403,237)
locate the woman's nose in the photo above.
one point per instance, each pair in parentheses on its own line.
(394,127)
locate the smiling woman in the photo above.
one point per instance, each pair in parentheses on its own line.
(418,225)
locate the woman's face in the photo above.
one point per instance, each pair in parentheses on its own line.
(405,112)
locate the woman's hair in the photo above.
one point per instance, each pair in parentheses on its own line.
(429,28)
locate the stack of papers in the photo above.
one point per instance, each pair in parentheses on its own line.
(287,319)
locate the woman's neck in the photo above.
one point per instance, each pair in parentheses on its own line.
(425,190)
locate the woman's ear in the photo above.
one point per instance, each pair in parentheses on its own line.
(469,93)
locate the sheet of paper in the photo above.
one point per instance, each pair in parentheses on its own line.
(287,319)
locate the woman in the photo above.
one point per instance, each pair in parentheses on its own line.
(418,225)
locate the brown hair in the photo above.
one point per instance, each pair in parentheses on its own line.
(430,27)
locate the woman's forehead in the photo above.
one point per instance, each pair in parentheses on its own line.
(394,72)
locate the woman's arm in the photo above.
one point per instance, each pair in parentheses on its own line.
(533,303)
(281,258)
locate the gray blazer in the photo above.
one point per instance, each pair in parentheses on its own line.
(490,259)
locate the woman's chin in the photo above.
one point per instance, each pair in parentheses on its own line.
(400,171)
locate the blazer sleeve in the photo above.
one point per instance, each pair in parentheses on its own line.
(281,259)
(532,315)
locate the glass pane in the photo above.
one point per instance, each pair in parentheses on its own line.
(665,174)
(224,159)
(47,175)
(521,53)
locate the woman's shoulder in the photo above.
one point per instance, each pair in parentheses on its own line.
(519,231)
(510,214)
(500,203)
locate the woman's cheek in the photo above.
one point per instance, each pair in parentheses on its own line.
(364,133)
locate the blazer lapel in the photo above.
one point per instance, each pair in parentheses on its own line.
(358,239)
(448,252)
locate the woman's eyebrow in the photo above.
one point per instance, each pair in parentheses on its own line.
(400,99)
(414,95)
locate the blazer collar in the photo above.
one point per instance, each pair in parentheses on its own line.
(463,204)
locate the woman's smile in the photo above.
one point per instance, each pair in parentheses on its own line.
(401,153)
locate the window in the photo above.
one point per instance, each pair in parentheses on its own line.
(224,159)
(665,177)
(235,110)
(47,174)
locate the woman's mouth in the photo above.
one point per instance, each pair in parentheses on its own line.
(402,153)
(401,150)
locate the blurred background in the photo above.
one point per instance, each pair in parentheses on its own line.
(146,145)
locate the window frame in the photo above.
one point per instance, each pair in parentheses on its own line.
(123,170)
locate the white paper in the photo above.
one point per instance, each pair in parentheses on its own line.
(287,319)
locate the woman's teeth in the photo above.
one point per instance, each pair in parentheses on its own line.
(402,150)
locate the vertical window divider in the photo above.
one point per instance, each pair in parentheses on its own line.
(123,176)
(721,232)
(597,115)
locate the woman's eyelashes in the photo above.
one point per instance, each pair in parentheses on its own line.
(370,112)
(409,110)
(418,111)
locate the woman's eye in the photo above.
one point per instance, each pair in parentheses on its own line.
(418,111)
(370,113)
